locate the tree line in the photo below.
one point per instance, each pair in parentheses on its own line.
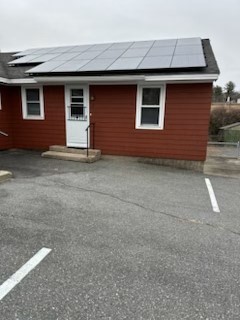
(228,93)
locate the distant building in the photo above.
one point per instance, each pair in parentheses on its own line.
(230,133)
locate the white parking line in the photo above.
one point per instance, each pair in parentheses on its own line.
(9,284)
(212,196)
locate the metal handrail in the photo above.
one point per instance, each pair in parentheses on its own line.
(88,127)
(3,134)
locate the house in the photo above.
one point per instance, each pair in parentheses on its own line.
(148,99)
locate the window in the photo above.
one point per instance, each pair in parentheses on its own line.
(150,107)
(32,103)
(77,108)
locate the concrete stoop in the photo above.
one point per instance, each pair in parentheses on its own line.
(72,154)
(5,175)
(220,166)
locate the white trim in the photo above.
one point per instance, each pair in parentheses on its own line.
(109,79)
(87,79)
(130,78)
(17,81)
(24,103)
(183,77)
(161,107)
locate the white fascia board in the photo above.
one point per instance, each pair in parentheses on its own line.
(17,81)
(3,80)
(129,78)
(117,78)
(183,77)
(87,79)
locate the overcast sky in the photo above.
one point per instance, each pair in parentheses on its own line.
(38,23)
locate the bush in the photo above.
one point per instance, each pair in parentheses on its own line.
(221,117)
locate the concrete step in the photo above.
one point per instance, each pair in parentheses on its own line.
(70,156)
(64,149)
(5,175)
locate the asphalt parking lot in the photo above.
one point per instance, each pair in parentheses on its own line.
(126,240)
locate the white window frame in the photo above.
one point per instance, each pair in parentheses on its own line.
(161,106)
(24,103)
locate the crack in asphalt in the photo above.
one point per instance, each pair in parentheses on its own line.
(171,215)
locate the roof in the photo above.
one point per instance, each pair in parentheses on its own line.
(9,72)
(230,126)
(186,58)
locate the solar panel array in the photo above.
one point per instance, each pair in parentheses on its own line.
(158,54)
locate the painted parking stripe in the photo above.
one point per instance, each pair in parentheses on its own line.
(21,273)
(212,196)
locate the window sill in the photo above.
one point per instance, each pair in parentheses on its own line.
(33,118)
(149,127)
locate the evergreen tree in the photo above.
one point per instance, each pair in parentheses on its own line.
(229,90)
(218,95)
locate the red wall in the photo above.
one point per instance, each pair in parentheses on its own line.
(113,110)
(5,119)
(40,134)
(185,132)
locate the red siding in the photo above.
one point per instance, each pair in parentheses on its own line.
(5,119)
(40,134)
(113,112)
(186,122)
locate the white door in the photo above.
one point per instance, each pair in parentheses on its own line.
(77,115)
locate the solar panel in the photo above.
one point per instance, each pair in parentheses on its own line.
(142,44)
(65,56)
(24,53)
(188,61)
(158,54)
(165,43)
(80,48)
(97,64)
(44,57)
(25,59)
(121,45)
(87,55)
(43,51)
(160,51)
(46,67)
(111,54)
(71,66)
(125,63)
(61,49)
(139,52)
(100,47)
(155,62)
(188,50)
(189,41)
